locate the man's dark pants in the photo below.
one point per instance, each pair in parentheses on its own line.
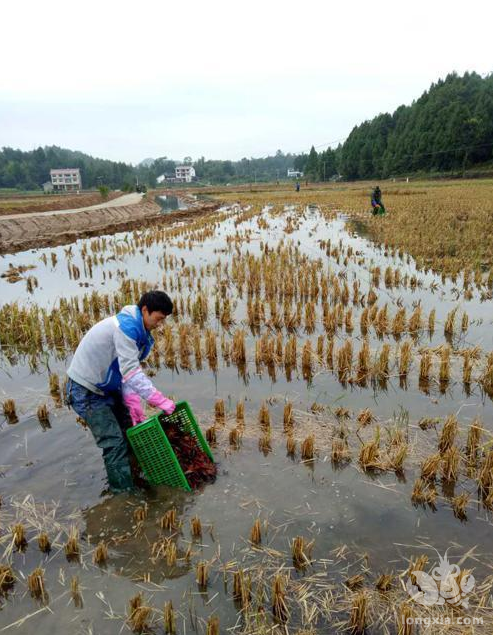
(108,419)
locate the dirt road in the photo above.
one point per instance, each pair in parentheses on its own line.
(121,201)
(28,231)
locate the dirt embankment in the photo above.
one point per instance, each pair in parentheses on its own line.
(28,205)
(20,233)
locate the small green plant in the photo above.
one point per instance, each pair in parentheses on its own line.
(104,190)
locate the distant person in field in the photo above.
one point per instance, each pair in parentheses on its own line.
(106,381)
(376,202)
(297,186)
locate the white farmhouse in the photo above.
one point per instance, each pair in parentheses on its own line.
(294,174)
(185,173)
(66,179)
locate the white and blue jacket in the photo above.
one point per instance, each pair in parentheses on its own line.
(109,355)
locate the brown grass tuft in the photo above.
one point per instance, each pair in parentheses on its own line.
(7,578)
(100,555)
(219,411)
(202,574)
(196,527)
(212,626)
(359,613)
(36,584)
(279,606)
(138,614)
(256,533)
(459,505)
(44,543)
(308,448)
(169,620)
(19,537)
(448,434)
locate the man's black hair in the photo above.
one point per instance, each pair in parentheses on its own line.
(156,301)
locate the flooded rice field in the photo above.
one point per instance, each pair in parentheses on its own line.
(347,396)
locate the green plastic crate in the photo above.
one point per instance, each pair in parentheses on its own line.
(154,452)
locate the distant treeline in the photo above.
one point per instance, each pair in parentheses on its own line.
(449,128)
(29,170)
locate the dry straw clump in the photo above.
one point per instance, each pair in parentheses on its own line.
(450,464)
(340,451)
(219,411)
(365,417)
(369,457)
(256,533)
(430,467)
(301,552)
(196,527)
(359,613)
(459,505)
(7,579)
(43,416)
(290,445)
(449,433)
(288,417)
(140,514)
(169,619)
(75,592)
(36,584)
(265,442)
(279,606)
(240,413)
(384,582)
(100,555)
(211,436)
(72,549)
(44,543)
(264,417)
(19,536)
(423,493)
(212,626)
(202,574)
(241,589)
(473,441)
(308,448)
(9,411)
(168,520)
(235,438)
(138,614)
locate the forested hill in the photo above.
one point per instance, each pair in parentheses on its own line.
(29,170)
(450,127)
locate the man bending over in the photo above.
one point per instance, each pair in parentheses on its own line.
(106,381)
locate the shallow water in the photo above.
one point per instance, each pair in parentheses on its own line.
(170,203)
(372,514)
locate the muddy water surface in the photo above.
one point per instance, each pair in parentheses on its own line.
(371,513)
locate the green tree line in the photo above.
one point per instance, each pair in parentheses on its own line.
(29,170)
(450,127)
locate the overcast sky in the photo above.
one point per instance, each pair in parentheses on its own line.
(223,79)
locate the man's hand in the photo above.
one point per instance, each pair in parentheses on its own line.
(132,401)
(158,400)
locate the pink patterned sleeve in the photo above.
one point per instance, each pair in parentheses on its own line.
(138,382)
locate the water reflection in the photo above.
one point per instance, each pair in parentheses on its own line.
(170,203)
(140,546)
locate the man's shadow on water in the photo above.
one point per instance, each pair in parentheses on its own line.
(134,530)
